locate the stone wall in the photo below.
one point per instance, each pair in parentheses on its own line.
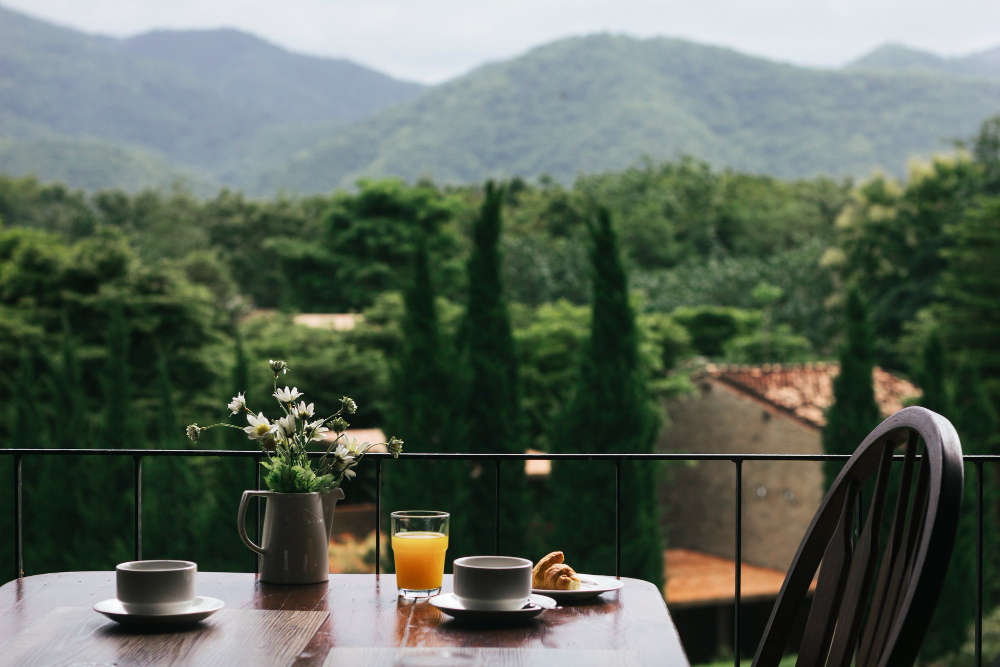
(697,499)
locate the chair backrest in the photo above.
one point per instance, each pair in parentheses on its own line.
(874,596)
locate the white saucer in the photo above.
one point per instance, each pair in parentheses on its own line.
(200,609)
(591,585)
(452,606)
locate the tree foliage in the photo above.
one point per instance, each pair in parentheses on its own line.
(609,411)
(425,404)
(970,289)
(854,412)
(491,393)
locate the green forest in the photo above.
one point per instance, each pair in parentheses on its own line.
(543,315)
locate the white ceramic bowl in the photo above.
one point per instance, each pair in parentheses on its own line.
(156,586)
(492,583)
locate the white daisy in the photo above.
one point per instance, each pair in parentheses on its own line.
(315,430)
(259,427)
(302,410)
(287,395)
(342,457)
(287,425)
(238,403)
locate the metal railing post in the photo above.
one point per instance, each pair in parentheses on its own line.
(137,527)
(739,559)
(18,544)
(979,564)
(256,513)
(496,468)
(618,518)
(378,517)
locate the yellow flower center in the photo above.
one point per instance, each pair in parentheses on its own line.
(262,429)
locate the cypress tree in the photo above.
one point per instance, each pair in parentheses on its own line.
(978,426)
(969,290)
(230,477)
(69,392)
(177,508)
(30,424)
(119,429)
(492,408)
(166,413)
(610,410)
(70,429)
(854,412)
(241,366)
(932,376)
(424,410)
(956,606)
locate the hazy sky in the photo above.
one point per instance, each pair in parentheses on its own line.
(433,40)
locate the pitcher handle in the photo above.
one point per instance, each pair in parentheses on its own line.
(241,518)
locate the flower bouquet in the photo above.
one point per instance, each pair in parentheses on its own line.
(286,441)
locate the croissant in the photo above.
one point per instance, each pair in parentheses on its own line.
(538,573)
(552,574)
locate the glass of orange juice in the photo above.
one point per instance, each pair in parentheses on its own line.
(419,541)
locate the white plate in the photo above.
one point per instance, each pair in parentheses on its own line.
(452,606)
(200,609)
(591,585)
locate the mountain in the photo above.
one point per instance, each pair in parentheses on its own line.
(93,164)
(597,103)
(223,107)
(55,81)
(198,100)
(285,87)
(896,57)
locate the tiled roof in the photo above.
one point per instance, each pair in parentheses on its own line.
(806,390)
(695,579)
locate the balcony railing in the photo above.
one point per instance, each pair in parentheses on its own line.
(977,460)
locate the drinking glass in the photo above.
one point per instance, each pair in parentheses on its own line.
(419,542)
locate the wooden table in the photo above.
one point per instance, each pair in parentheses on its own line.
(355,619)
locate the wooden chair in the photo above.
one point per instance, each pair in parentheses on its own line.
(866,607)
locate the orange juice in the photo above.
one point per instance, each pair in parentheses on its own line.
(419,559)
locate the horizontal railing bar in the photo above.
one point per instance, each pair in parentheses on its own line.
(469,456)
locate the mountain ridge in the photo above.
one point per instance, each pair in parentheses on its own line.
(61,88)
(222,106)
(900,57)
(673,97)
(293,87)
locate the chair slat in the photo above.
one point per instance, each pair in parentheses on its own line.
(829,588)
(879,620)
(904,564)
(798,579)
(862,570)
(914,530)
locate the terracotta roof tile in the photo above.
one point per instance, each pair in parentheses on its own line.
(806,390)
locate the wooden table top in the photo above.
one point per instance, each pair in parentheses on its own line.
(355,619)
